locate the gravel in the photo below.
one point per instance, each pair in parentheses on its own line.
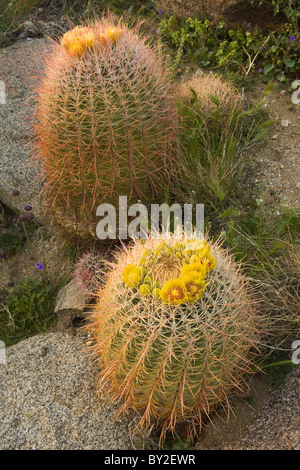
(19,66)
(278,426)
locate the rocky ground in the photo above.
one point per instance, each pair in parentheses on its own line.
(278,162)
(269,421)
(49,399)
(48,393)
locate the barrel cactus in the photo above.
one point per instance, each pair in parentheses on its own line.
(89,271)
(105,123)
(174,332)
(209,87)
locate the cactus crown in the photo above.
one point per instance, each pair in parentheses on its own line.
(174,330)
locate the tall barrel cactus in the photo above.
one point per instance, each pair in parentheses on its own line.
(174,332)
(105,123)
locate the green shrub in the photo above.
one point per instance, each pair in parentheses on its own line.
(269,56)
(25,309)
(266,240)
(213,138)
(12,238)
(291,9)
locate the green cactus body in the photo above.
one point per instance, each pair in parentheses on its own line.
(106,118)
(176,351)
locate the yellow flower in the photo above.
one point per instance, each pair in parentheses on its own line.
(145,289)
(210,262)
(112,33)
(195,286)
(198,268)
(205,258)
(131,275)
(173,292)
(78,40)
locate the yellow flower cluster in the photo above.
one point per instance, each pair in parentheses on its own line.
(81,38)
(190,262)
(78,40)
(111,34)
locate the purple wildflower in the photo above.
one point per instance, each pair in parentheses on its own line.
(10,284)
(154,31)
(41,267)
(2,254)
(292,38)
(15,192)
(29,216)
(264,48)
(38,265)
(248,25)
(161,11)
(28,207)
(260,70)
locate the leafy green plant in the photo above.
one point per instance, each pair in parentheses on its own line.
(276,366)
(262,233)
(268,56)
(25,309)
(291,9)
(12,239)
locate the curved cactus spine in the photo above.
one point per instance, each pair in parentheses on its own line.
(174,358)
(106,123)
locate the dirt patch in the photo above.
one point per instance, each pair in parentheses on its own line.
(278,162)
(47,249)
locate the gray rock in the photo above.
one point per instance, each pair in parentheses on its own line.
(16,168)
(48,399)
(70,304)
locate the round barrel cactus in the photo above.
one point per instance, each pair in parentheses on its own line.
(174,332)
(106,120)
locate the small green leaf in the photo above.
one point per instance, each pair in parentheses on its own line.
(268,68)
(289,62)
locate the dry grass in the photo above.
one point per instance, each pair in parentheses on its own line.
(280,296)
